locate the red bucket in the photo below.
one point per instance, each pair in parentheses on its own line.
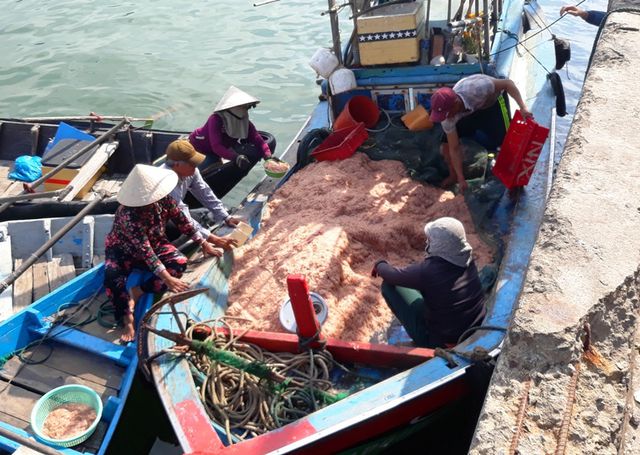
(341,143)
(360,108)
(519,152)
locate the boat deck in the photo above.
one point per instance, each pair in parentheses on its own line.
(55,364)
(40,279)
(110,184)
(8,187)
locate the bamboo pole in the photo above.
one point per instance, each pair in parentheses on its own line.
(335,30)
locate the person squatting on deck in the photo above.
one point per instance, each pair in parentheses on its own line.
(183,159)
(138,240)
(472,109)
(228,133)
(441,297)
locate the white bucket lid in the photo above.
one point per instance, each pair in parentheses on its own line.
(288,320)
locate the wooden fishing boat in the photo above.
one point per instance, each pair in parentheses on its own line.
(62,340)
(59,250)
(399,402)
(56,327)
(101,169)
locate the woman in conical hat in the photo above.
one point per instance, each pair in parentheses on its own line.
(229,134)
(138,240)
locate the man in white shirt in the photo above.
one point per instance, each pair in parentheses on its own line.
(183,159)
(472,105)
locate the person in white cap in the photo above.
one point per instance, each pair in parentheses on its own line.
(229,134)
(438,299)
(138,240)
(183,159)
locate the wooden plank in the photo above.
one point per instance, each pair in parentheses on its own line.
(61,270)
(43,377)
(6,267)
(11,420)
(22,450)
(84,365)
(4,185)
(96,329)
(22,288)
(92,444)
(40,279)
(89,170)
(14,189)
(17,402)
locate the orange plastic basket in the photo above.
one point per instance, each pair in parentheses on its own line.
(520,151)
(341,143)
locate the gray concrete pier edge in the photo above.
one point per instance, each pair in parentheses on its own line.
(546,394)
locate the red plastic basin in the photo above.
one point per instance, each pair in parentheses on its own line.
(341,143)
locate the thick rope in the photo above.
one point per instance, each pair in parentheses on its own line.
(246,405)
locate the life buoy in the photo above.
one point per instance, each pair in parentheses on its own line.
(269,139)
(558,90)
(309,142)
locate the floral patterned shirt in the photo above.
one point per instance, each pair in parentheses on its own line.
(137,231)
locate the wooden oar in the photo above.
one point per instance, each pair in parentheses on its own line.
(4,284)
(30,196)
(91,117)
(99,140)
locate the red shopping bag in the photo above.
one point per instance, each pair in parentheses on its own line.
(520,151)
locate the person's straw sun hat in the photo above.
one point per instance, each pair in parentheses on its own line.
(235,97)
(146,184)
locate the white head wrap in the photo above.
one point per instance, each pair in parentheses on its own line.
(446,239)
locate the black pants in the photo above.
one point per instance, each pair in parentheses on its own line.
(223,177)
(486,126)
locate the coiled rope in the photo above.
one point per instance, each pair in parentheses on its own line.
(246,404)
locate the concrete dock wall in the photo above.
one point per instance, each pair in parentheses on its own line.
(566,379)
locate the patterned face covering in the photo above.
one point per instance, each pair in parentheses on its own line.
(446,239)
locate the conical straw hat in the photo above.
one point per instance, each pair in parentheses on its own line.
(146,184)
(235,97)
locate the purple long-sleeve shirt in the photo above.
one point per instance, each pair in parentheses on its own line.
(211,139)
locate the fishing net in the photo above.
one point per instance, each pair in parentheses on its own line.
(420,153)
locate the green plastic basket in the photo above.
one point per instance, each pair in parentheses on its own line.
(275,175)
(72,393)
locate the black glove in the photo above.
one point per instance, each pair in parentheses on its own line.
(243,162)
(374,270)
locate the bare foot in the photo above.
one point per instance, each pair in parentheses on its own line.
(128,331)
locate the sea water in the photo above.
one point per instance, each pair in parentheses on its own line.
(173,60)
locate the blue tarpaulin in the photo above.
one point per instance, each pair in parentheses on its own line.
(26,168)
